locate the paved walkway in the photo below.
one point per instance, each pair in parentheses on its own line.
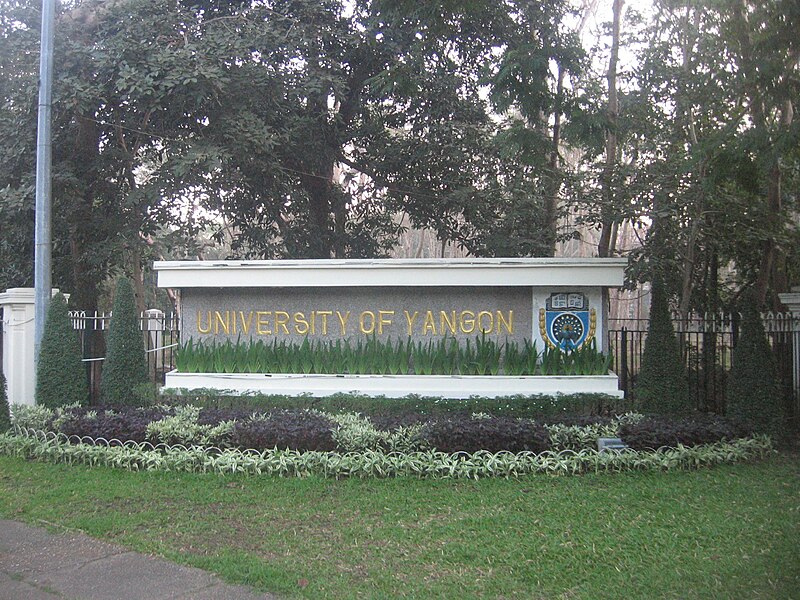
(35,564)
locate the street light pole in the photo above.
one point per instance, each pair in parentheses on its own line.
(43,252)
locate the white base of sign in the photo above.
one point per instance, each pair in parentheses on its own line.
(396,386)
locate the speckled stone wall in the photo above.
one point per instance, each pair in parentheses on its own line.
(354,312)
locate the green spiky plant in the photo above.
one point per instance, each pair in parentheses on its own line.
(125,367)
(753,391)
(479,356)
(663,385)
(5,413)
(60,373)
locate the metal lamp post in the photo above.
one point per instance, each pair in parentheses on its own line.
(43,242)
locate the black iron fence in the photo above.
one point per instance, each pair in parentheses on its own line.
(707,344)
(161,335)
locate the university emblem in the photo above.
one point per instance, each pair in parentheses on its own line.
(567,323)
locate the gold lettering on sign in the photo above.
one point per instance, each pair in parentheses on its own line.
(367,329)
(383,319)
(488,328)
(467,321)
(300,323)
(246,323)
(448,321)
(502,322)
(324,314)
(411,318)
(262,322)
(281,320)
(380,322)
(429,325)
(219,322)
(200,328)
(343,318)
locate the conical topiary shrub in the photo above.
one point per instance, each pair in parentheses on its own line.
(60,374)
(753,392)
(662,386)
(5,413)
(125,367)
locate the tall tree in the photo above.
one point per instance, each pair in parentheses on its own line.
(300,128)
(541,49)
(759,31)
(98,138)
(714,145)
(389,95)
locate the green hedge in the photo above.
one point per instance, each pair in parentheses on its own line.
(754,392)
(430,464)
(125,367)
(60,373)
(538,406)
(5,413)
(662,386)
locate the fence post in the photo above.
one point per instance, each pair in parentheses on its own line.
(792,302)
(153,324)
(623,368)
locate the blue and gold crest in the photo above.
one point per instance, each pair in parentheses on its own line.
(567,323)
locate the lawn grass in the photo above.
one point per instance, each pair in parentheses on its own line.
(728,532)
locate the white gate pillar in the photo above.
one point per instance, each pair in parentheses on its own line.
(792,302)
(18,342)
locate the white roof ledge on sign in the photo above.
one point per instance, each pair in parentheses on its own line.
(393,272)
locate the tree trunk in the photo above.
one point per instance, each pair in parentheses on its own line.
(770,269)
(340,226)
(80,217)
(421,245)
(612,112)
(688,271)
(319,187)
(551,195)
(137,277)
(550,229)
(768,246)
(686,113)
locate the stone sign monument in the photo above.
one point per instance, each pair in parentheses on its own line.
(559,303)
